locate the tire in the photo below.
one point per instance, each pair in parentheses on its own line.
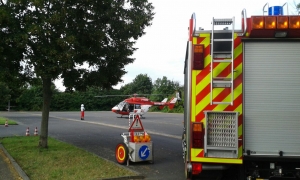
(121,153)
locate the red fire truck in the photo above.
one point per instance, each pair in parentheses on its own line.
(242,97)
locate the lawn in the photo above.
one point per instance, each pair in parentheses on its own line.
(10,122)
(60,160)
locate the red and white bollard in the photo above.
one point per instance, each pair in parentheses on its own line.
(82,112)
(27,132)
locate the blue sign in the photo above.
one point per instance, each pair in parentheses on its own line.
(144,152)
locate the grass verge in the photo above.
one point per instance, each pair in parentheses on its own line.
(60,160)
(10,122)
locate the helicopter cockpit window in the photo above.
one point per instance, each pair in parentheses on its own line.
(121,105)
(137,106)
(126,107)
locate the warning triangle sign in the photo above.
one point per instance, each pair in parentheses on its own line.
(136,124)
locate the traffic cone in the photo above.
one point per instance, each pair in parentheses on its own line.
(6,123)
(27,132)
(36,131)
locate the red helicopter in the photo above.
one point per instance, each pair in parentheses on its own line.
(139,105)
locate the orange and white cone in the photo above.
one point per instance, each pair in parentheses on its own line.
(27,132)
(36,131)
(6,124)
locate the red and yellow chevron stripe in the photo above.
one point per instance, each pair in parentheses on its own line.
(201,93)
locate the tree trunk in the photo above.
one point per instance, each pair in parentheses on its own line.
(45,112)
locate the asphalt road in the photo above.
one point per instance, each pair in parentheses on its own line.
(100,132)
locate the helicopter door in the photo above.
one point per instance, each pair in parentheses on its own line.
(131,107)
(137,108)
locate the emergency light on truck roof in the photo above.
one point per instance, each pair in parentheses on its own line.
(282,22)
(274,26)
(275,22)
(294,22)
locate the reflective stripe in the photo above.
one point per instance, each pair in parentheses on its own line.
(198,156)
(200,98)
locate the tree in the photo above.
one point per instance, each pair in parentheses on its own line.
(297,7)
(13,74)
(4,93)
(141,84)
(165,86)
(62,36)
(31,99)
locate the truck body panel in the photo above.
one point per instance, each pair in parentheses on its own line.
(201,94)
(271,97)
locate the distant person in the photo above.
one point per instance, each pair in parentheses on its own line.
(82,112)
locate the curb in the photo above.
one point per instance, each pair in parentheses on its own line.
(19,170)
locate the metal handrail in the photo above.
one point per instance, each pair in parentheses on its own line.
(244,14)
(287,8)
(264,8)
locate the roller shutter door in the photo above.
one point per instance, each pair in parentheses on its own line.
(272,97)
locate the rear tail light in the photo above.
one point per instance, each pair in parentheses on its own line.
(198,62)
(196,168)
(197,135)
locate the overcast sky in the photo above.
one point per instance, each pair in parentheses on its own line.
(161,51)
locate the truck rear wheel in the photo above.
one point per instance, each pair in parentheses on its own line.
(121,153)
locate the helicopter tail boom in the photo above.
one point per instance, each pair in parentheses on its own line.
(170,104)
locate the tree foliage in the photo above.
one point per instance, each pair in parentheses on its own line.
(296,6)
(31,99)
(93,98)
(4,92)
(63,35)
(165,86)
(13,74)
(57,38)
(142,84)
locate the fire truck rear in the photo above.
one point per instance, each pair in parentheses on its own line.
(242,97)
